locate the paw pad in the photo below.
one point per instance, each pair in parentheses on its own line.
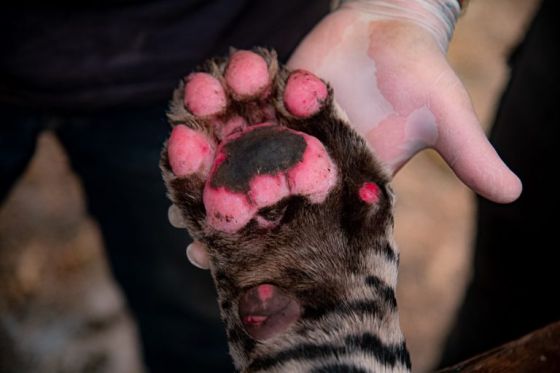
(248,166)
(304,94)
(266,310)
(204,95)
(247,74)
(189,151)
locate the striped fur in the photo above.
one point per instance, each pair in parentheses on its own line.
(336,258)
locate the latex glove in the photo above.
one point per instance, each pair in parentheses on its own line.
(386,62)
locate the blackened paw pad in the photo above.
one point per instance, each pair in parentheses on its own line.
(263,171)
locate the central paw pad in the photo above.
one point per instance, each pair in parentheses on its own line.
(261,167)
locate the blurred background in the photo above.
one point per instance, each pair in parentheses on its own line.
(60,310)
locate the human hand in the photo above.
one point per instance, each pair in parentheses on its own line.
(386,62)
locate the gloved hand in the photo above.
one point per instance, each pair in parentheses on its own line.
(386,62)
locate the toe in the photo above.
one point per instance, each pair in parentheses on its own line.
(175,218)
(247,74)
(198,255)
(204,95)
(189,151)
(304,94)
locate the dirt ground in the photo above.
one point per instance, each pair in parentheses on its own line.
(60,310)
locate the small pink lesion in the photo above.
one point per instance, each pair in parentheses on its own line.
(369,192)
(247,74)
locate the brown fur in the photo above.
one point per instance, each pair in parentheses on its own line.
(336,258)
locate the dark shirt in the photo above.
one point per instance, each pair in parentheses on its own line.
(108,53)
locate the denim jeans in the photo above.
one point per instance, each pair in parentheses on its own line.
(116,155)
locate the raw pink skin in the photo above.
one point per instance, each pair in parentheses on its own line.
(204,95)
(189,152)
(304,94)
(369,193)
(247,74)
(394,83)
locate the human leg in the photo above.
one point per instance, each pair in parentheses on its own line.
(116,154)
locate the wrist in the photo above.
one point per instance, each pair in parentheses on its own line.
(437,17)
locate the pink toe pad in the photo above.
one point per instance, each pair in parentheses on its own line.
(247,74)
(204,95)
(304,94)
(189,151)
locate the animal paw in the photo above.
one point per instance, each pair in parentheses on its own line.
(288,200)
